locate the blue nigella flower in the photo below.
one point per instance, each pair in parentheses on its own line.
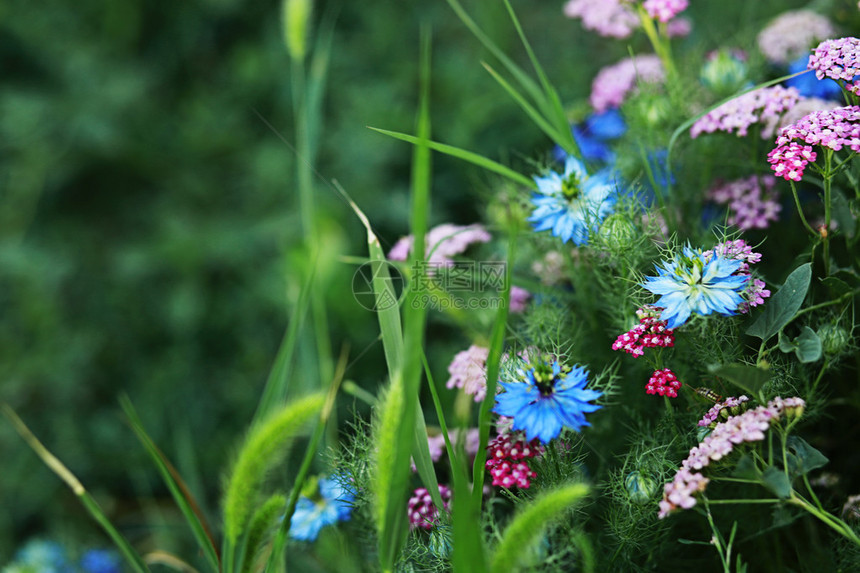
(546,399)
(43,556)
(572,204)
(592,136)
(101,561)
(695,283)
(810,86)
(334,504)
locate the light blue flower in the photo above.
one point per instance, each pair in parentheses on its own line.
(334,504)
(546,399)
(42,556)
(573,203)
(693,283)
(101,561)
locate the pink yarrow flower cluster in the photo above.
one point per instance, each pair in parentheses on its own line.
(618,18)
(663,382)
(506,457)
(737,115)
(443,242)
(834,129)
(838,60)
(752,202)
(614,83)
(791,34)
(471,442)
(651,332)
(728,405)
(469,371)
(747,427)
(609,18)
(739,250)
(664,10)
(422,512)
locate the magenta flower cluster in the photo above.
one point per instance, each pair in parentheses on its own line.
(613,83)
(651,332)
(752,201)
(838,60)
(744,428)
(506,457)
(422,512)
(739,114)
(739,250)
(664,383)
(714,413)
(664,10)
(469,371)
(833,129)
(789,35)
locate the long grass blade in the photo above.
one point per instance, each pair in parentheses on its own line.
(55,465)
(183,498)
(554,110)
(533,114)
(528,525)
(459,153)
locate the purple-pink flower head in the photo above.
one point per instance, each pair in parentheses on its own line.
(747,427)
(614,83)
(838,60)
(469,371)
(610,18)
(834,129)
(664,10)
(443,242)
(738,114)
(752,201)
(792,34)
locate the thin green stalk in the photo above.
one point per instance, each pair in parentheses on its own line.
(809,228)
(828,201)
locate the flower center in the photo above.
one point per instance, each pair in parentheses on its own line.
(546,378)
(571,187)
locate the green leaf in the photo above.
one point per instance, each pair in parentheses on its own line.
(808,346)
(468,156)
(782,306)
(842,213)
(746,377)
(528,525)
(783,515)
(776,481)
(745,469)
(803,458)
(786,344)
(835,286)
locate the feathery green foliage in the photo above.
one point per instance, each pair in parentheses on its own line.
(529,524)
(262,520)
(264,448)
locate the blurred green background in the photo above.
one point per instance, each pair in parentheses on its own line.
(149,233)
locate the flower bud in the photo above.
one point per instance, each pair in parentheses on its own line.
(297,15)
(834,339)
(441,541)
(724,72)
(640,489)
(618,232)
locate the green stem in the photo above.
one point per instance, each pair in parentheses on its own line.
(800,211)
(834,523)
(828,179)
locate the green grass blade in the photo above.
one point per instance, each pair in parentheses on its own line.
(55,465)
(552,103)
(522,78)
(533,114)
(265,446)
(280,542)
(275,391)
(440,413)
(183,498)
(528,525)
(497,341)
(468,156)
